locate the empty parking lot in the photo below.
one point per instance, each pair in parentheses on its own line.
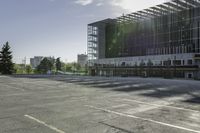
(72,104)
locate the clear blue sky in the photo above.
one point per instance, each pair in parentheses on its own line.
(56,27)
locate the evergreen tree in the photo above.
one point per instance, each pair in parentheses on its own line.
(58,64)
(6,64)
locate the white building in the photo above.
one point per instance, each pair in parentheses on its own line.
(36,61)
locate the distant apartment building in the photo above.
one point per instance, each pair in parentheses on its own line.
(82,60)
(36,61)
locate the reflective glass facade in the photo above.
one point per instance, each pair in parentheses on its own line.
(171,33)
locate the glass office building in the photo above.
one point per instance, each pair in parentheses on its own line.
(160,40)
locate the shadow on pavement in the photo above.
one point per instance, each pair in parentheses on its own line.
(162,88)
(195,100)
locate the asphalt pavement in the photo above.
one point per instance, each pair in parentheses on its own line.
(76,104)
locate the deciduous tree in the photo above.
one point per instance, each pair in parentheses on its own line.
(45,66)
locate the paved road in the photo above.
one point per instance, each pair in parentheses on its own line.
(63,104)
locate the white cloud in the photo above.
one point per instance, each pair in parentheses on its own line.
(99,4)
(84,2)
(135,5)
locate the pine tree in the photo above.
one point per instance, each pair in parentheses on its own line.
(58,64)
(6,64)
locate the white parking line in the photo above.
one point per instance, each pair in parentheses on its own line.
(119,106)
(143,119)
(157,105)
(43,123)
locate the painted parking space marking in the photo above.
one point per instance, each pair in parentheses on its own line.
(120,106)
(143,119)
(43,123)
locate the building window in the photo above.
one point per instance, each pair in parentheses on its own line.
(177,62)
(189,62)
(167,63)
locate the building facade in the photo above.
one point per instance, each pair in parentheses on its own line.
(82,60)
(35,61)
(163,40)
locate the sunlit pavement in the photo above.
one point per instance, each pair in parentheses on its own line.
(66,104)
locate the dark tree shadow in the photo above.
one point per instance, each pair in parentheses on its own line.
(162,89)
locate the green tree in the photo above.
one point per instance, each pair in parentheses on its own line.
(28,69)
(45,66)
(149,65)
(135,69)
(58,64)
(63,68)
(6,64)
(68,67)
(53,62)
(142,70)
(19,68)
(78,66)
